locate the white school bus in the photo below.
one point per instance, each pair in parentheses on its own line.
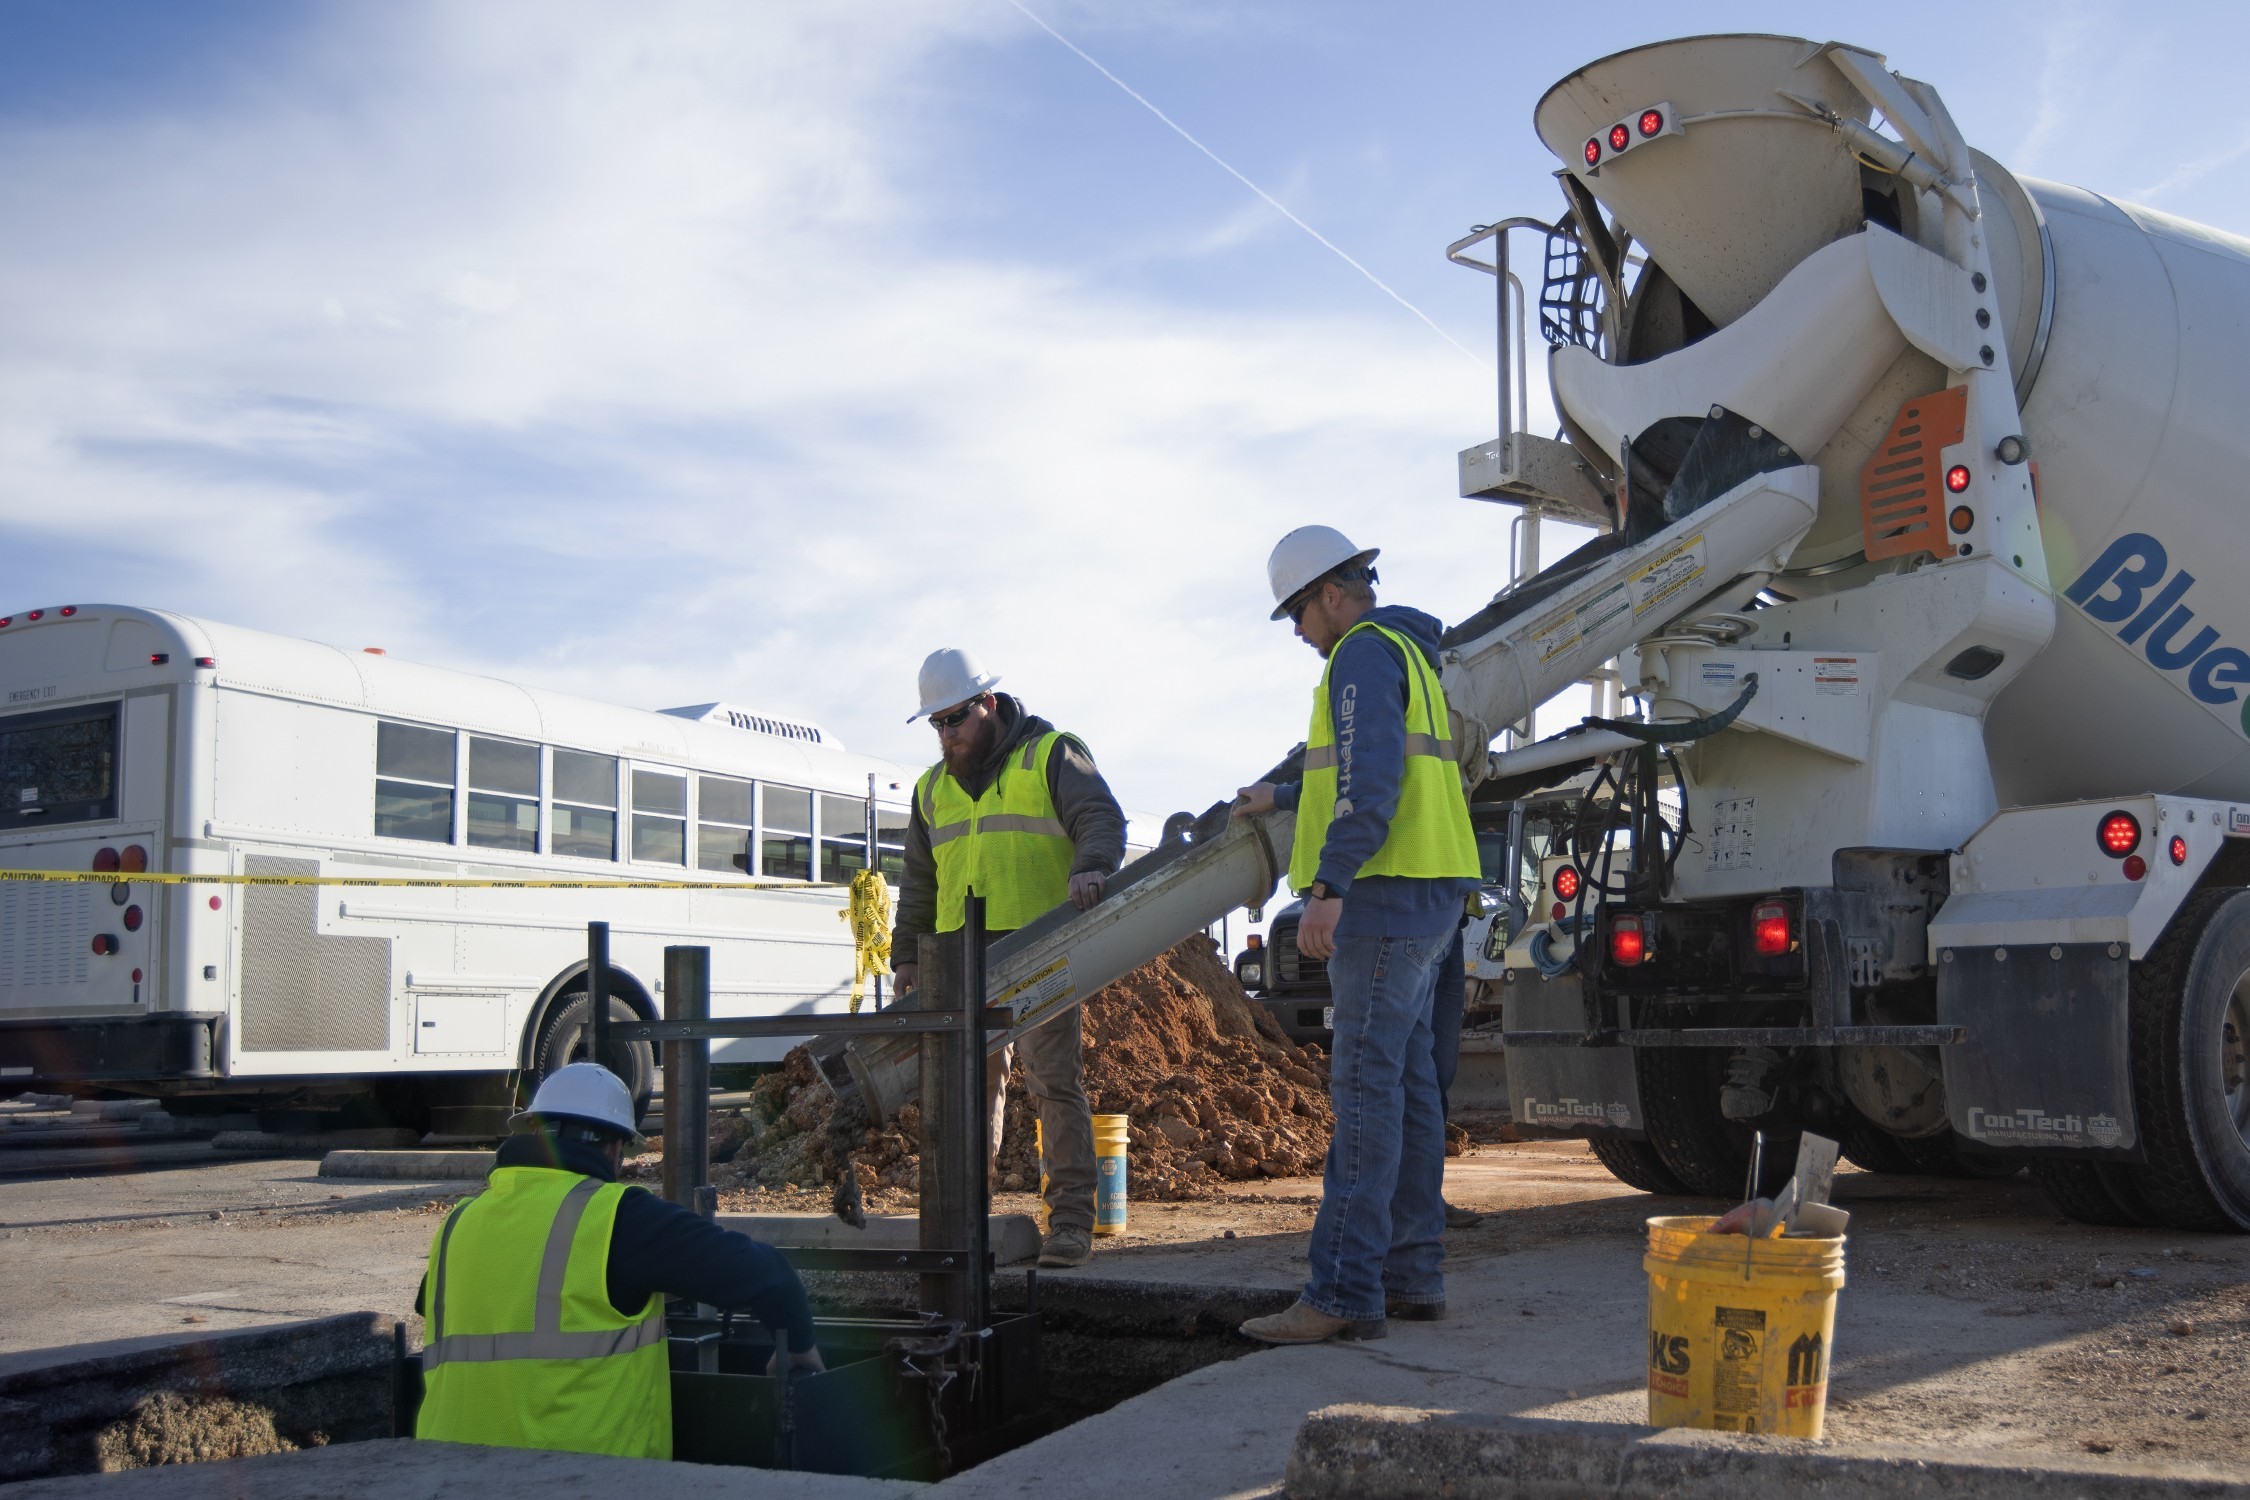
(134,741)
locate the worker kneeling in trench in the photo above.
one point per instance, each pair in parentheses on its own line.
(545,1293)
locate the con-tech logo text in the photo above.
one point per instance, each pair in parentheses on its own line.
(2127,590)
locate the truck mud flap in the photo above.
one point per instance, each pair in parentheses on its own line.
(2047,1065)
(1565,1090)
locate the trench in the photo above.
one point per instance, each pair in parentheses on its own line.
(331,1381)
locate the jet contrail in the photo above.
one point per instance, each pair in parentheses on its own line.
(1272,202)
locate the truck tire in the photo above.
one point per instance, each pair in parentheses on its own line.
(2191,1066)
(1706,1151)
(567,1037)
(1636,1164)
(1871,1148)
(2081,1192)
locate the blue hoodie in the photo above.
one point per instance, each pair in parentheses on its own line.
(1368,772)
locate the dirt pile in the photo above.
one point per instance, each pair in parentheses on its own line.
(1214,1090)
(169,1428)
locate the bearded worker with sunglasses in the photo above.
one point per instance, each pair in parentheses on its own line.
(1385,858)
(1015,811)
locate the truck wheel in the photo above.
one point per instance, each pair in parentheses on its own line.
(1706,1151)
(567,1036)
(1871,1148)
(2191,1066)
(1636,1164)
(2081,1193)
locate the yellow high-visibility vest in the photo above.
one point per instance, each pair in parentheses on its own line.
(524,1349)
(1007,845)
(1430,837)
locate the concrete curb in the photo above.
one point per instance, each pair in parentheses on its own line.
(1379,1452)
(279,1144)
(408,1166)
(1014,1238)
(52,1408)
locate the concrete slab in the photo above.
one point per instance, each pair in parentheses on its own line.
(406,1470)
(1360,1452)
(1014,1237)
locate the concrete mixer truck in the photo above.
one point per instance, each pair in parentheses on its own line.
(1914,485)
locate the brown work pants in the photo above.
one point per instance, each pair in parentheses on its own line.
(1056,1077)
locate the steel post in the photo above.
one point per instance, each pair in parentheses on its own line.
(687,1076)
(597,991)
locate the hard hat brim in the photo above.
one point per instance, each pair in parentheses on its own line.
(1281,610)
(524,1120)
(984,683)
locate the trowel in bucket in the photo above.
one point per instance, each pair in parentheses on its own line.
(1803,1206)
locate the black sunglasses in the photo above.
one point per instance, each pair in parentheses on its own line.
(957,718)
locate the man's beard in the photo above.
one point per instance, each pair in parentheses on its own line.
(967,755)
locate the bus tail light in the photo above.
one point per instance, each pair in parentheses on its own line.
(105,861)
(1769,929)
(105,944)
(132,919)
(134,859)
(1628,941)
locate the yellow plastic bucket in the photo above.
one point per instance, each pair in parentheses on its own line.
(1739,1330)
(1109,1173)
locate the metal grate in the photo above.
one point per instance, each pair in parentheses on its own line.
(1570,298)
(302,992)
(44,930)
(1902,488)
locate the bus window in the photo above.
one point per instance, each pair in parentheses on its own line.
(785,832)
(660,817)
(503,795)
(843,836)
(413,783)
(58,767)
(722,823)
(890,842)
(585,804)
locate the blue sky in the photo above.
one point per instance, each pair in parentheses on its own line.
(673,352)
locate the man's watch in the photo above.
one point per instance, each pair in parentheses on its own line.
(1319,891)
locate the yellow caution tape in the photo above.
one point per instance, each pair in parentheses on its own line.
(409,882)
(870,916)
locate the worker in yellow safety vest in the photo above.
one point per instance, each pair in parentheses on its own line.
(544,1297)
(1015,811)
(1385,860)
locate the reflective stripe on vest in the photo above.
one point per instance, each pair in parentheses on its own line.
(1430,837)
(565,1372)
(1007,844)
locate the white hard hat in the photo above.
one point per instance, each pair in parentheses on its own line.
(949,676)
(1307,555)
(590,1094)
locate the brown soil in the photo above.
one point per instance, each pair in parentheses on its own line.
(1216,1093)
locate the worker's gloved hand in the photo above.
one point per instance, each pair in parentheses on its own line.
(1251,800)
(804,1362)
(1316,929)
(904,976)
(1086,888)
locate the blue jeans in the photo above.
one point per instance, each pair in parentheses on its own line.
(1448,1003)
(1381,1226)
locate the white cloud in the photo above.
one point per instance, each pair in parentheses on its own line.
(600,348)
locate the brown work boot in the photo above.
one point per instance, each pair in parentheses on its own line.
(1068,1245)
(1306,1324)
(1414,1312)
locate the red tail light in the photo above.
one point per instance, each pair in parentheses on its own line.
(1567,882)
(2135,867)
(1561,911)
(105,861)
(37,614)
(1652,120)
(159,658)
(132,919)
(1628,943)
(2119,834)
(1620,137)
(206,661)
(67,611)
(1769,929)
(104,945)
(1957,478)
(1593,151)
(2178,850)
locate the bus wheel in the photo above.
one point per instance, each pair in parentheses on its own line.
(2191,1066)
(1636,1164)
(1706,1151)
(567,1036)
